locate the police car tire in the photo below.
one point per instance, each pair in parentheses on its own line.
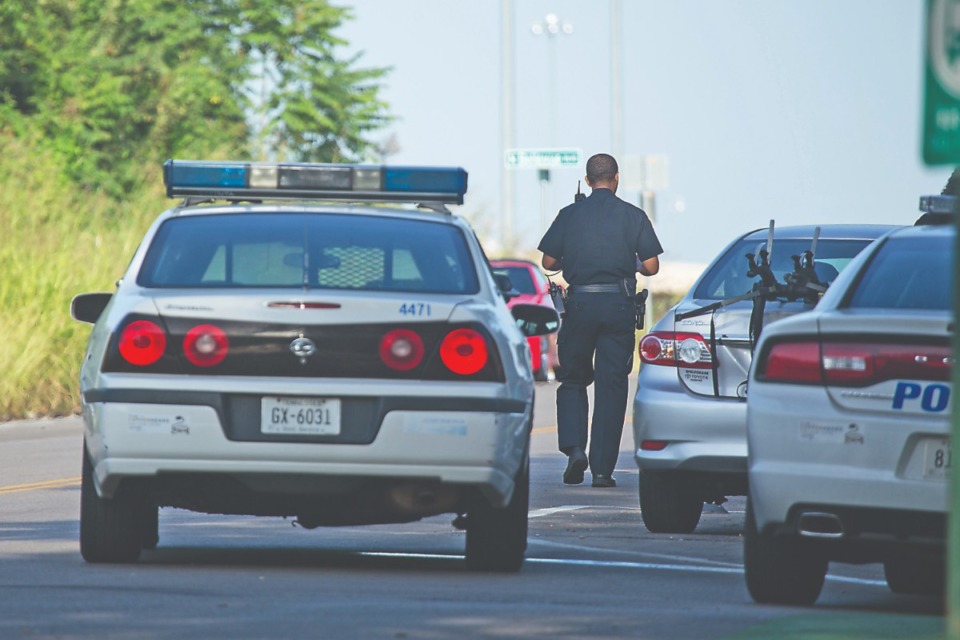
(497,537)
(110,530)
(916,576)
(778,570)
(668,504)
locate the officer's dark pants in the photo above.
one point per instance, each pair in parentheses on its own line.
(595,344)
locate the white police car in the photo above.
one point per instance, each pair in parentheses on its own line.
(272,352)
(848,423)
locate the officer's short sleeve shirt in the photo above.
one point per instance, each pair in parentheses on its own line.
(599,238)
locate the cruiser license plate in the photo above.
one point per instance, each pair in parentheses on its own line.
(937,458)
(300,416)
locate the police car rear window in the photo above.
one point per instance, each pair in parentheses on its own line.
(728,275)
(293,250)
(907,273)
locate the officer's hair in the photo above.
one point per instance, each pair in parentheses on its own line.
(601,168)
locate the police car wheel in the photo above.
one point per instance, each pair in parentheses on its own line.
(778,570)
(110,530)
(668,504)
(497,537)
(917,576)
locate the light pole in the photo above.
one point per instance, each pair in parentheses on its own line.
(507,124)
(551,26)
(616,77)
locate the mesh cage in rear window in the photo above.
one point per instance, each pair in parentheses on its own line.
(309,250)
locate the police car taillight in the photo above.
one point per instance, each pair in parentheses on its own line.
(858,364)
(687,350)
(240,180)
(854,364)
(401,349)
(792,362)
(464,351)
(205,345)
(142,343)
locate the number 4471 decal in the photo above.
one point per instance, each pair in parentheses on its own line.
(933,398)
(415,309)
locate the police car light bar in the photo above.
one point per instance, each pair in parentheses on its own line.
(939,204)
(251,180)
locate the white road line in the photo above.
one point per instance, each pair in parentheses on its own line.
(646,554)
(634,565)
(549,511)
(614,564)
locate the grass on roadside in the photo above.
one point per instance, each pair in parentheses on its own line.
(56,240)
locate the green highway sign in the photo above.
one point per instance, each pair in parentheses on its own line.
(941,112)
(541,158)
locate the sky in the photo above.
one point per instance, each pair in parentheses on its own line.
(799,111)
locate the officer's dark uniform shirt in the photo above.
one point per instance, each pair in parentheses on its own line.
(599,238)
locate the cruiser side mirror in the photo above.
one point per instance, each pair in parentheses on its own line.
(535,319)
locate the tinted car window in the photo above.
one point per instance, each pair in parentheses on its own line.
(728,276)
(309,250)
(907,273)
(519,276)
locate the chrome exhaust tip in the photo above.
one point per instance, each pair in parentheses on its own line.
(819,524)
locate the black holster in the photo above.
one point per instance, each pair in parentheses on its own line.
(640,305)
(559,298)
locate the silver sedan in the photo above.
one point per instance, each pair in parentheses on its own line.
(689,413)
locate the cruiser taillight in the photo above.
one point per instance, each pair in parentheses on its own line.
(464,351)
(401,349)
(205,345)
(142,343)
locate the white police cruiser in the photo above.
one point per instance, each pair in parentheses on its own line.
(848,425)
(272,350)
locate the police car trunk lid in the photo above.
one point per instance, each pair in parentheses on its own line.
(923,336)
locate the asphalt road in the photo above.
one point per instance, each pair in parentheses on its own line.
(592,571)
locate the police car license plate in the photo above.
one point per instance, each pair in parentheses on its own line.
(300,416)
(937,458)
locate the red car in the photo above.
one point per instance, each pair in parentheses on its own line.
(533,287)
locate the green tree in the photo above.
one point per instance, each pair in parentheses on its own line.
(114,85)
(311,104)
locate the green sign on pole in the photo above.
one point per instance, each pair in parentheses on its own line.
(941,113)
(541,158)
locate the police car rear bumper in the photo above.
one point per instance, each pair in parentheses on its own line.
(862,461)
(480,446)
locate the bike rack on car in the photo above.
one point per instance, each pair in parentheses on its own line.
(801,284)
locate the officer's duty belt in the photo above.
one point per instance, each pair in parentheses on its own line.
(596,288)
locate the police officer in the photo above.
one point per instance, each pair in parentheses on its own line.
(600,243)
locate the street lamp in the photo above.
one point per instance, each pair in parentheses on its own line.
(551,25)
